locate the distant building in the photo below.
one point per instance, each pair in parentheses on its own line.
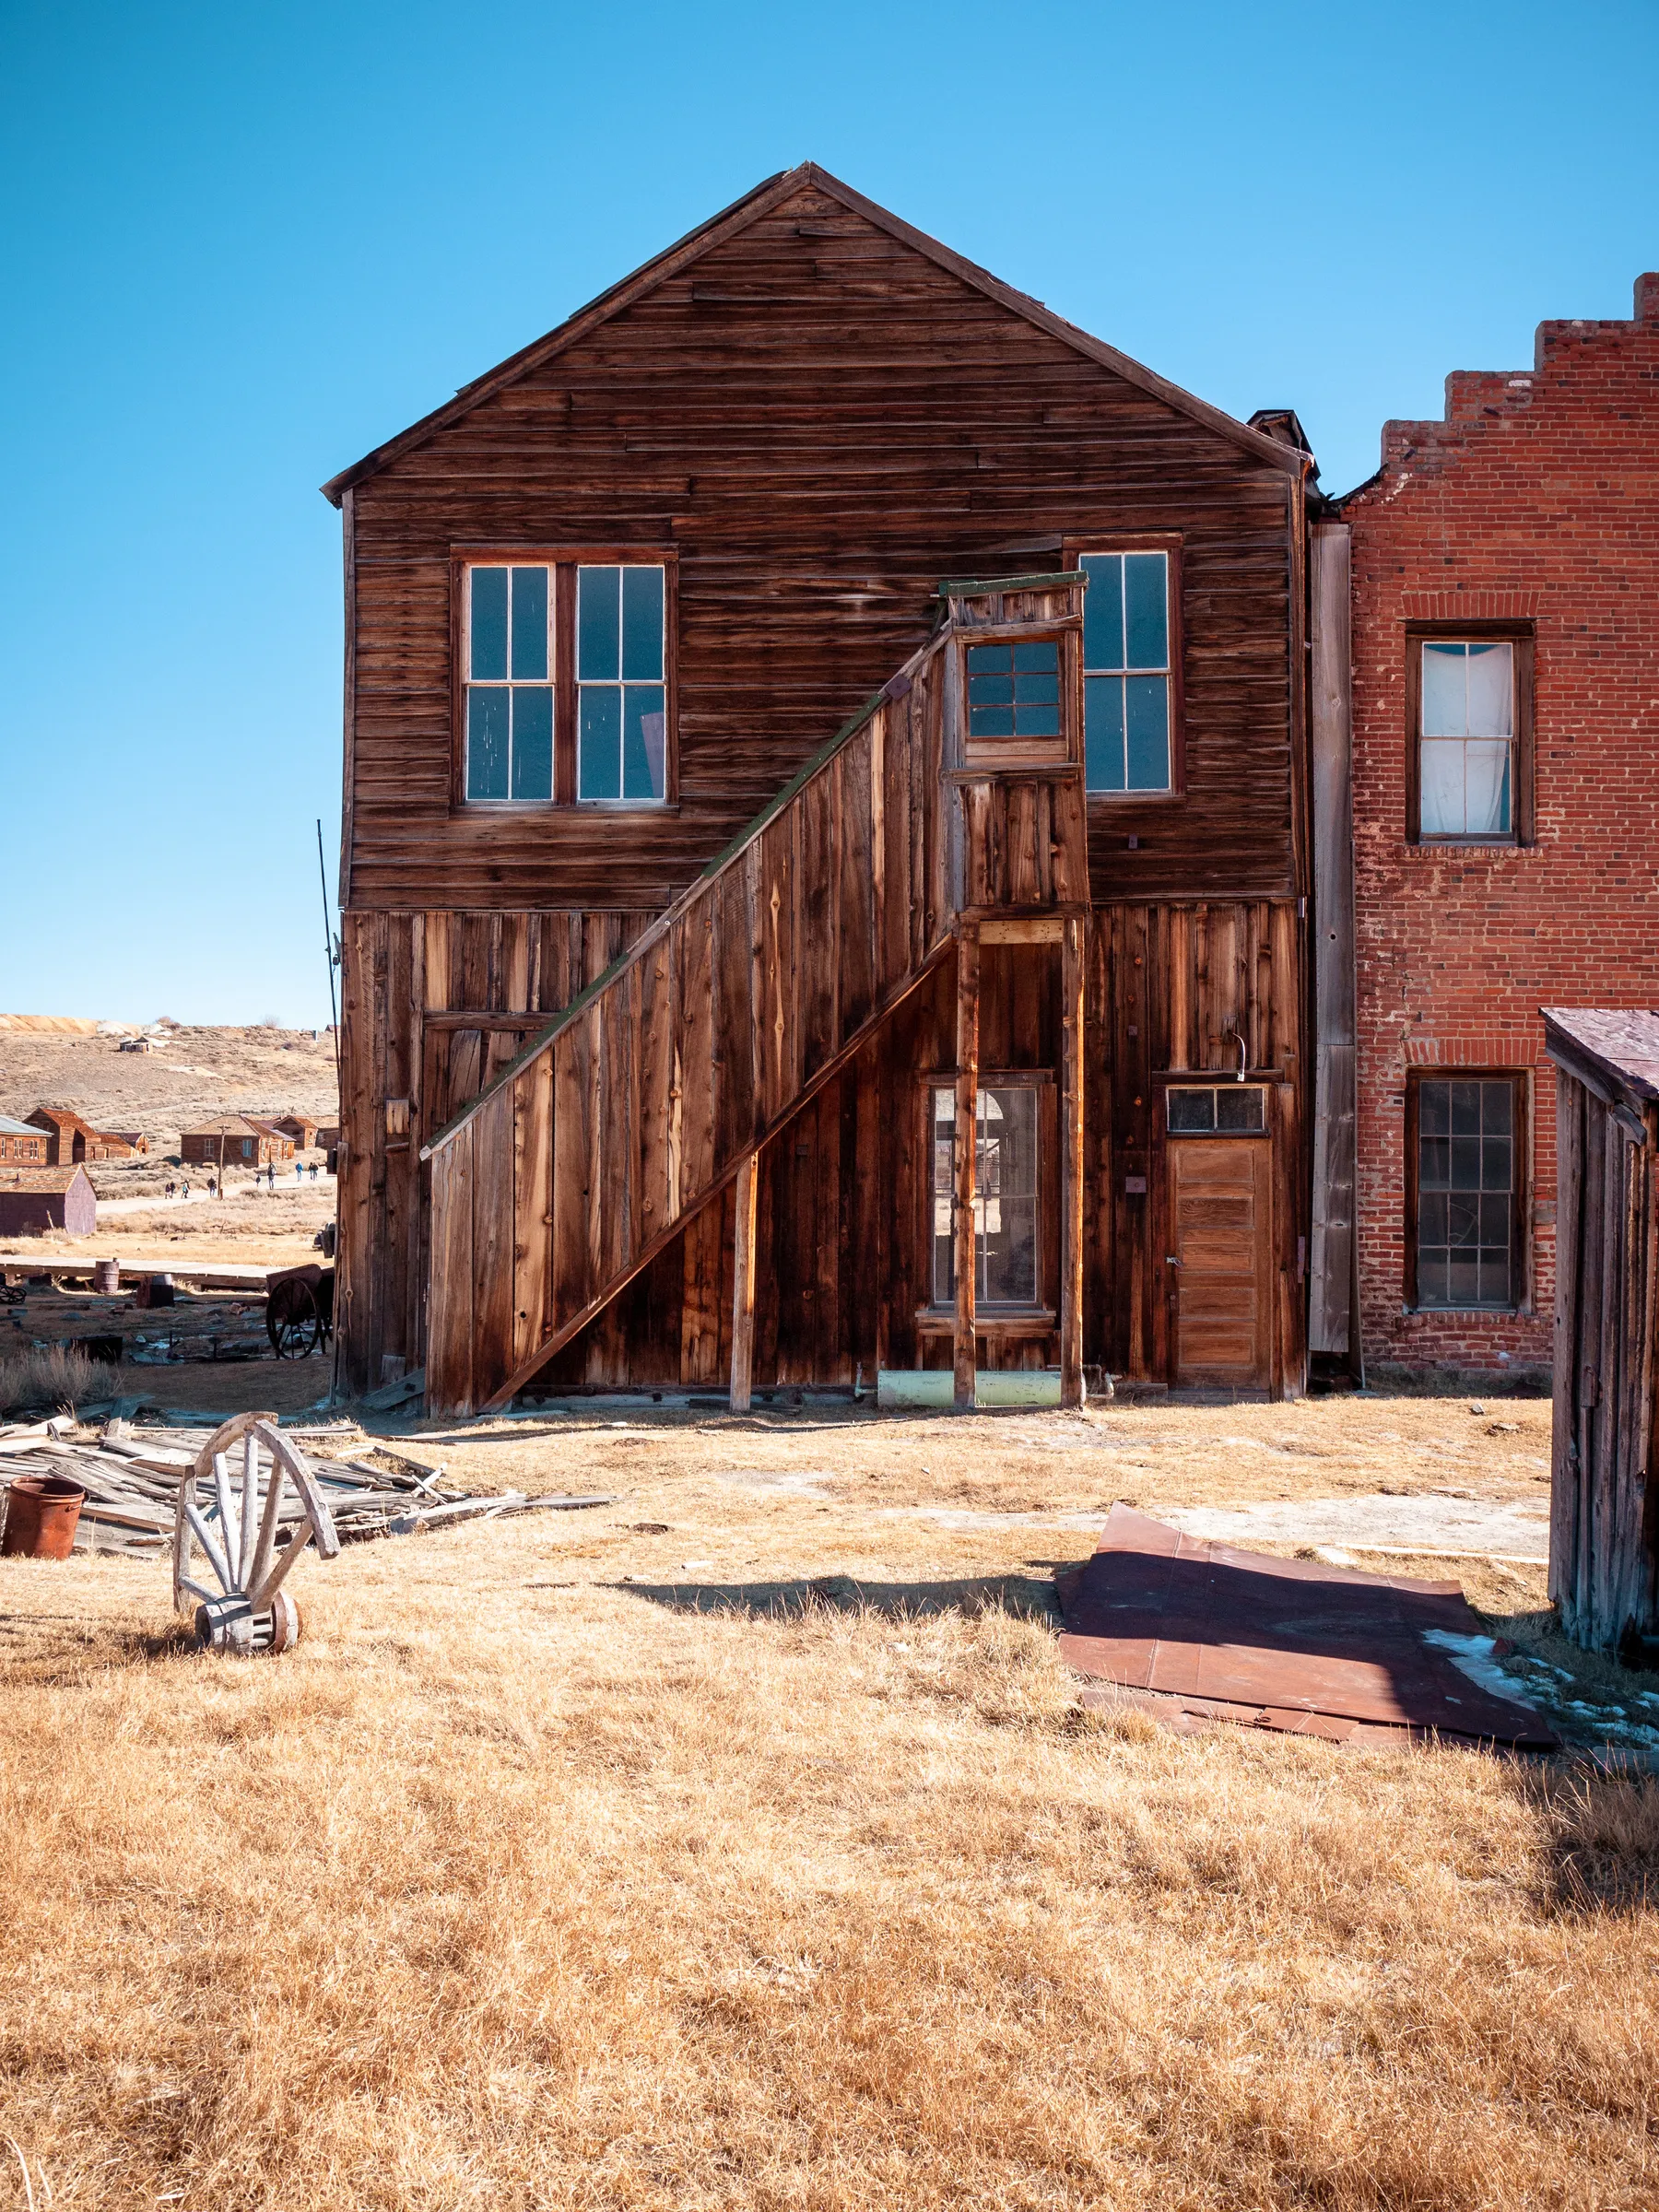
(136,1044)
(301,1127)
(236,1140)
(33,1200)
(70,1139)
(20,1145)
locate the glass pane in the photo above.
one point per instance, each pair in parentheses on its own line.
(1103,610)
(1432,1217)
(1491,691)
(1103,732)
(990,660)
(1009,1275)
(644,722)
(1495,1220)
(1441,787)
(944,1248)
(1145,601)
(1466,1108)
(1190,1113)
(1147,702)
(1495,1163)
(532,741)
(487,743)
(1434,1163)
(1434,1108)
(1497,1104)
(1037,690)
(1240,1109)
(1463,1219)
(598,617)
(600,772)
(488,648)
(1487,788)
(529,624)
(1042,655)
(1445,710)
(643,625)
(1495,1279)
(1463,1278)
(1431,1277)
(1466,1163)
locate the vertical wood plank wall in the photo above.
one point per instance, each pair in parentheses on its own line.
(1604,1544)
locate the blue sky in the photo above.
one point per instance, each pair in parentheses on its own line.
(243,246)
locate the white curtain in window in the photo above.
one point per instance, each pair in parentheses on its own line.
(1445,705)
(1490,691)
(1486,788)
(1442,803)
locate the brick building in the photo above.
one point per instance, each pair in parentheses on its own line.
(1505,724)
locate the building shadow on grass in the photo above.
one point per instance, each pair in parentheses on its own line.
(1600,1819)
(1029,1596)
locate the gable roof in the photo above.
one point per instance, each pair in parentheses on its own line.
(10,1128)
(50,1181)
(738,217)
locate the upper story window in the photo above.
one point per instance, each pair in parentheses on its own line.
(1469,738)
(1126,672)
(1013,691)
(509,683)
(565,681)
(1467,733)
(620,683)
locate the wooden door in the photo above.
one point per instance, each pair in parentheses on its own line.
(1220,1215)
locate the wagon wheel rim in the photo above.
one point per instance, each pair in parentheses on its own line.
(235,1584)
(298,1334)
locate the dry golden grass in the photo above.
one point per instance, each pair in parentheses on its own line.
(50,1376)
(521,1885)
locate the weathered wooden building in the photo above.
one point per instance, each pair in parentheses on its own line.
(69,1138)
(235,1140)
(33,1200)
(816,703)
(21,1144)
(1604,1538)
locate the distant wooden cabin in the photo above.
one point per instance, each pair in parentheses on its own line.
(1604,1539)
(824,863)
(21,1144)
(33,1200)
(301,1127)
(70,1139)
(235,1140)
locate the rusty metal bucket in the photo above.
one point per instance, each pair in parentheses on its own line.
(42,1513)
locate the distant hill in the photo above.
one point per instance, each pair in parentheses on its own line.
(191,1076)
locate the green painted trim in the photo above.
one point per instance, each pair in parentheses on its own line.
(971,587)
(932,1389)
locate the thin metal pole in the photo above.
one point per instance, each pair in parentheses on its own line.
(328,948)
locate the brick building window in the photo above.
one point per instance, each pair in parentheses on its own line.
(1469,736)
(1466,1162)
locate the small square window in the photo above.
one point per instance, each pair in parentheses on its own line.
(1013,691)
(1216,1110)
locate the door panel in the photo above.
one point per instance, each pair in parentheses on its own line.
(1221,1230)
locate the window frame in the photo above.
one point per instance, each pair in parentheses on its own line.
(1521,1176)
(563,560)
(1202,1079)
(1171,543)
(1042,1081)
(1522,636)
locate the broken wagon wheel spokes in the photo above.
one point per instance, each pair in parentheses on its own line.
(236,1530)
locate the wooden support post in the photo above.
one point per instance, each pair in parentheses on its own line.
(1072,945)
(966,1135)
(743,1282)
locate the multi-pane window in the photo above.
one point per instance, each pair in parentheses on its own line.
(1126,671)
(1013,691)
(1466,1240)
(509,683)
(1005,1197)
(1216,1110)
(621,707)
(1466,738)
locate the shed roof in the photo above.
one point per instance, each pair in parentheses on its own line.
(738,217)
(1613,1051)
(47,1179)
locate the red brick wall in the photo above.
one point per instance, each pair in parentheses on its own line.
(1537,498)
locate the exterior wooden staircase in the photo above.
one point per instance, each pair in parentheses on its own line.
(907,838)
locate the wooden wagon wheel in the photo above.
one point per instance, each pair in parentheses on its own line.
(250,1611)
(294,1321)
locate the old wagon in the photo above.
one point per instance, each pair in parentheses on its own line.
(300,1310)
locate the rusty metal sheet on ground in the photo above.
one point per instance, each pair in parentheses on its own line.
(1278,1643)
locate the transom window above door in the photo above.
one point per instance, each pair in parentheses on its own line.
(566,681)
(1216,1110)
(1127,668)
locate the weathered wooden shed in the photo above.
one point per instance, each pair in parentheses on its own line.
(1604,1538)
(33,1200)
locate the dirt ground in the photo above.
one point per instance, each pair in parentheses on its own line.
(743,1844)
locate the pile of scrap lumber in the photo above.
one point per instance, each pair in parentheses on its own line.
(132,1474)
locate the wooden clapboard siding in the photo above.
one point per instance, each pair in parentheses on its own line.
(819,420)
